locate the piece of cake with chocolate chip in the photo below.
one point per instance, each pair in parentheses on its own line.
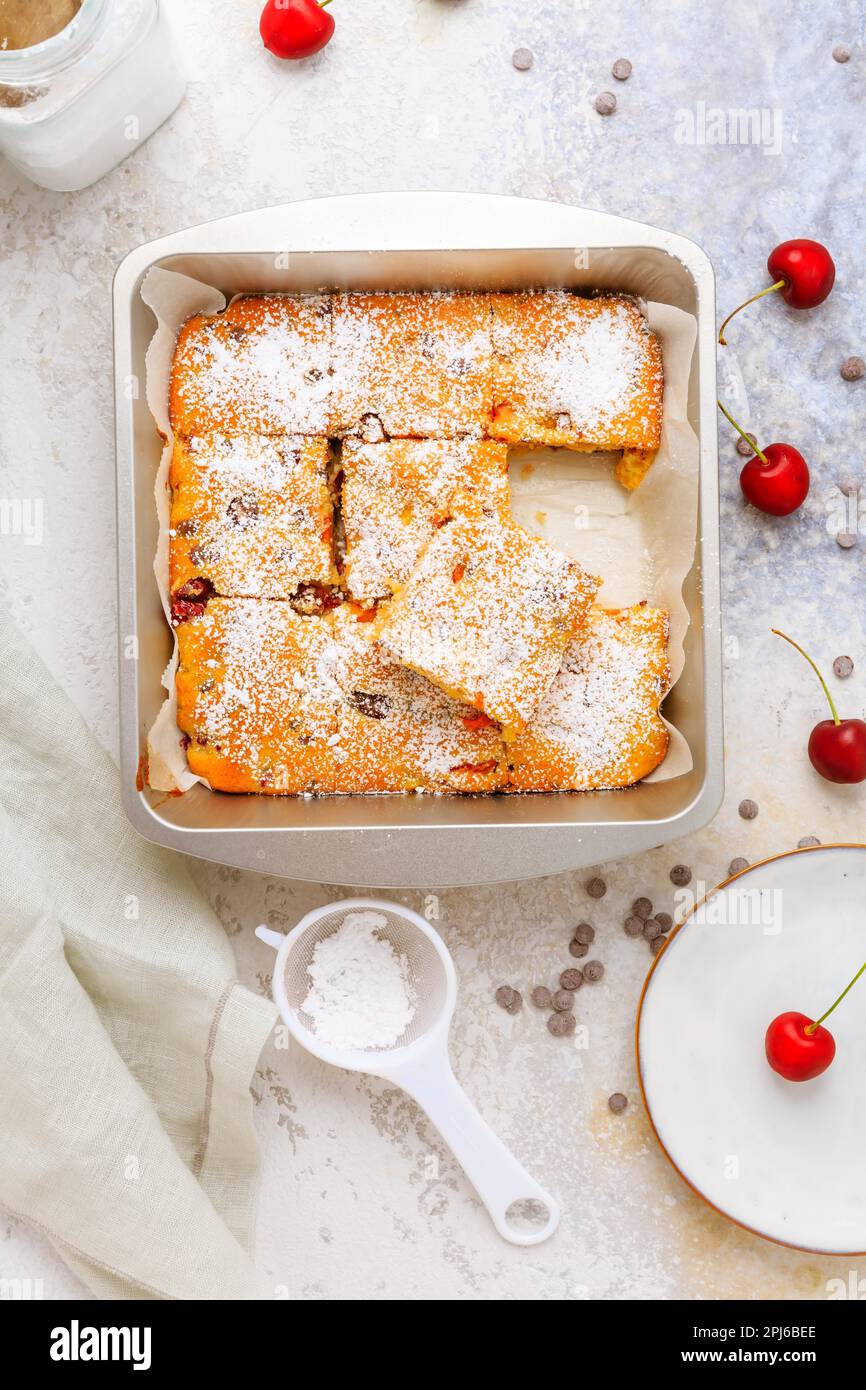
(396,494)
(583,374)
(262,366)
(487,613)
(410,364)
(252,514)
(599,724)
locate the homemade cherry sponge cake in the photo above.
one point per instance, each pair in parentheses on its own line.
(251,514)
(262,366)
(396,494)
(276,703)
(487,613)
(356,609)
(599,724)
(584,374)
(411,365)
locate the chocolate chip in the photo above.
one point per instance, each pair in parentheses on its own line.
(617,1102)
(186,528)
(509,999)
(374,706)
(748,809)
(621,70)
(563,999)
(746,447)
(596,887)
(842,667)
(808,841)
(605,103)
(542,997)
(593,971)
(642,907)
(657,943)
(680,875)
(737,865)
(561,1025)
(665,921)
(372,430)
(578,949)
(571,978)
(841,54)
(522,59)
(633,926)
(584,933)
(242,511)
(651,929)
(846,539)
(852,369)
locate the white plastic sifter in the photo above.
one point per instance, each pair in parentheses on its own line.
(521,1210)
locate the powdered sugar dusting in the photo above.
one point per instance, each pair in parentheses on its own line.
(599,724)
(360,993)
(583,373)
(487,614)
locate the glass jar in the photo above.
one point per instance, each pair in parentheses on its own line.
(76,104)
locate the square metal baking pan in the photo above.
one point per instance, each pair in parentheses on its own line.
(414,241)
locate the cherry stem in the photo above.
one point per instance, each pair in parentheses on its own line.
(810,1028)
(808,658)
(751,443)
(771,289)
(323,3)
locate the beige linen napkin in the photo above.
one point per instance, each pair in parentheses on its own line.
(128,1044)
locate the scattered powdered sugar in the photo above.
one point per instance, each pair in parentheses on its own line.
(360,994)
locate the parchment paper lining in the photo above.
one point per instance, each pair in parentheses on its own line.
(641,543)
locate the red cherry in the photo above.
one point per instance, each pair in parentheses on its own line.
(806,270)
(803,273)
(795,1052)
(776,480)
(838,751)
(837,747)
(295,28)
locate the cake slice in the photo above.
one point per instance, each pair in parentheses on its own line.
(599,724)
(250,514)
(396,494)
(279,704)
(584,374)
(262,366)
(488,612)
(410,365)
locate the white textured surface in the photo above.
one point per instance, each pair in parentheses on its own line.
(423,95)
